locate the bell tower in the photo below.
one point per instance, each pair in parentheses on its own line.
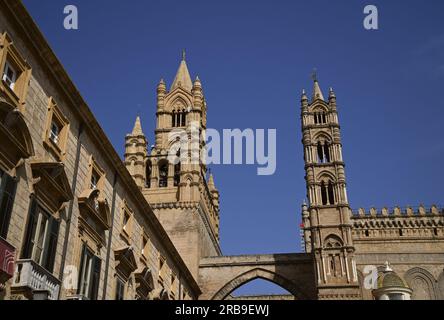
(174,176)
(326,217)
(135,153)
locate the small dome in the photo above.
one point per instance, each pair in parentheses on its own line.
(390,279)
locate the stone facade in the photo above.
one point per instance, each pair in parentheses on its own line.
(78,226)
(347,244)
(77,222)
(175,181)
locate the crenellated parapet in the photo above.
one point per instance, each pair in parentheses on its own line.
(399,223)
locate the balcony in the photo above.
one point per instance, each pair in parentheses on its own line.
(30,275)
(7,257)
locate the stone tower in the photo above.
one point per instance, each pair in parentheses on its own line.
(174,180)
(326,218)
(136,153)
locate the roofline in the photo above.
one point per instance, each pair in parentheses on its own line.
(18,11)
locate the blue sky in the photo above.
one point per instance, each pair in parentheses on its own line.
(254,58)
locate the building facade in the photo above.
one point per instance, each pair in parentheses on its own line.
(74,223)
(77,222)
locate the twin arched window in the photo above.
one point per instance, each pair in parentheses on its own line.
(179,118)
(327,193)
(320,117)
(323,152)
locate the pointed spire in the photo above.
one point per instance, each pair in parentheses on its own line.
(317,92)
(331,93)
(197,82)
(211,184)
(183,78)
(161,86)
(137,130)
(304,95)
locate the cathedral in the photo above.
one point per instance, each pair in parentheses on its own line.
(79,223)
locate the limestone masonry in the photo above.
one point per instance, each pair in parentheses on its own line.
(77,222)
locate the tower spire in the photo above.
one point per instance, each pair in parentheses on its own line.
(137,130)
(183,78)
(317,92)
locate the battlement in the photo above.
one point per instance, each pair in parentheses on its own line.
(420,211)
(398,223)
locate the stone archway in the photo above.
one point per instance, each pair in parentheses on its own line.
(220,276)
(422,283)
(258,274)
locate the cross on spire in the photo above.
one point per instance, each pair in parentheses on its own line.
(183,54)
(314,74)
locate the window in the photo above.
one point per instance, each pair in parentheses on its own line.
(327,193)
(94,180)
(179,118)
(120,289)
(324,194)
(320,117)
(331,195)
(174,121)
(184,118)
(56,132)
(54,135)
(9,75)
(41,237)
(15,72)
(7,194)
(89,276)
(323,150)
(96,176)
(149,170)
(127,217)
(163,174)
(177,170)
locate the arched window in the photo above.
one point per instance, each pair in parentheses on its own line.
(177,170)
(331,194)
(320,117)
(148,172)
(184,118)
(324,193)
(327,193)
(174,122)
(327,152)
(163,174)
(320,152)
(323,150)
(179,118)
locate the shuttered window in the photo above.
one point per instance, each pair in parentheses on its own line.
(7,193)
